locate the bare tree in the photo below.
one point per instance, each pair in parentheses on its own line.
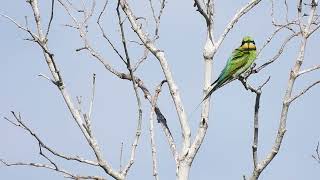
(302,26)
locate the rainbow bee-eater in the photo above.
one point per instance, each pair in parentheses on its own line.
(239,62)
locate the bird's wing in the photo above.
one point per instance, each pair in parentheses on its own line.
(237,60)
(249,60)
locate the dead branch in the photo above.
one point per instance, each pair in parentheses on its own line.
(151,130)
(139,122)
(303,92)
(19,123)
(317,154)
(305,30)
(308,70)
(53,168)
(258,92)
(166,70)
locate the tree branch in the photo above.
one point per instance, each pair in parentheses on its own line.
(167,72)
(51,18)
(49,57)
(151,130)
(258,92)
(303,91)
(317,155)
(277,55)
(21,124)
(54,168)
(288,95)
(139,122)
(308,70)
(235,19)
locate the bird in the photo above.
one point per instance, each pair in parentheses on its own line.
(239,62)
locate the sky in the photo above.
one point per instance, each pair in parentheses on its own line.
(226,150)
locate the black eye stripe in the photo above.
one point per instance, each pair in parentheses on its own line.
(249,41)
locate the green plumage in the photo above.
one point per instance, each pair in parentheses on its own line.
(240,60)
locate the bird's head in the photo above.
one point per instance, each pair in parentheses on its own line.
(248,44)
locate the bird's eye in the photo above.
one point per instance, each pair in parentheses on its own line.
(242,43)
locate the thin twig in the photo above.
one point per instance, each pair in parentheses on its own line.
(142,59)
(139,107)
(270,38)
(308,70)
(151,130)
(34,36)
(156,18)
(277,55)
(303,91)
(45,166)
(92,96)
(104,34)
(46,157)
(87,117)
(258,92)
(21,124)
(51,18)
(120,158)
(245,9)
(47,78)
(201,11)
(317,155)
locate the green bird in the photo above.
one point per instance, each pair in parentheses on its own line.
(239,62)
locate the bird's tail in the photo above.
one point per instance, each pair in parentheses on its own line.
(206,97)
(210,92)
(217,84)
(195,109)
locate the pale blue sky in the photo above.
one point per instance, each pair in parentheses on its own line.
(226,151)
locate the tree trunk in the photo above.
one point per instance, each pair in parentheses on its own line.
(183,171)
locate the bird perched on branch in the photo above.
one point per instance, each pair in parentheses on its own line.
(239,62)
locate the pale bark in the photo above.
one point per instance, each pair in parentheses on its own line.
(305,33)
